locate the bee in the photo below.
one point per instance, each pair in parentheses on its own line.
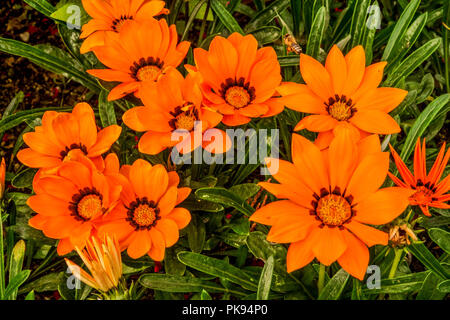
(291,44)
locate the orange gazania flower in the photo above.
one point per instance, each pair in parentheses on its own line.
(174,104)
(63,134)
(239,80)
(428,191)
(2,177)
(344,90)
(147,221)
(71,201)
(110,15)
(104,261)
(133,58)
(331,196)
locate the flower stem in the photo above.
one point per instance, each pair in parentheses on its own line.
(2,262)
(395,263)
(321,278)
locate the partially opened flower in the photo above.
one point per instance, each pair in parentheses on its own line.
(103,260)
(140,53)
(2,177)
(175,104)
(238,79)
(344,90)
(429,189)
(147,220)
(63,134)
(331,197)
(110,15)
(71,201)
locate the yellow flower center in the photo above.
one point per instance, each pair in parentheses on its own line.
(144,215)
(89,206)
(237,96)
(185,121)
(148,73)
(333,210)
(339,108)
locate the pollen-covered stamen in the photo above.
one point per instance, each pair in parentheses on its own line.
(86,204)
(118,23)
(143,214)
(237,93)
(147,69)
(184,117)
(339,108)
(332,209)
(73,146)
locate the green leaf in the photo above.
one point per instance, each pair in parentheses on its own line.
(289,61)
(317,32)
(441,238)
(106,110)
(15,283)
(42,6)
(172,265)
(265,281)
(263,17)
(66,13)
(429,289)
(225,17)
(335,286)
(267,34)
(170,283)
(24,179)
(15,264)
(51,58)
(428,260)
(395,40)
(48,282)
(359,21)
(226,198)
(205,295)
(444,286)
(402,284)
(17,118)
(413,61)
(11,108)
(218,268)
(30,295)
(422,122)
(196,234)
(245,190)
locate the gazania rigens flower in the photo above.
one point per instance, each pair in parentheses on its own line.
(71,201)
(344,90)
(133,58)
(429,191)
(103,260)
(174,104)
(238,79)
(331,196)
(2,177)
(62,134)
(147,221)
(110,15)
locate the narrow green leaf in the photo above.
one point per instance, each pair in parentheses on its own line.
(428,260)
(334,288)
(225,17)
(267,34)
(12,106)
(399,30)
(412,62)
(15,283)
(30,295)
(359,21)
(226,198)
(289,61)
(15,264)
(408,283)
(205,295)
(265,281)
(317,32)
(263,17)
(218,268)
(444,286)
(429,289)
(422,122)
(106,110)
(51,58)
(42,6)
(441,238)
